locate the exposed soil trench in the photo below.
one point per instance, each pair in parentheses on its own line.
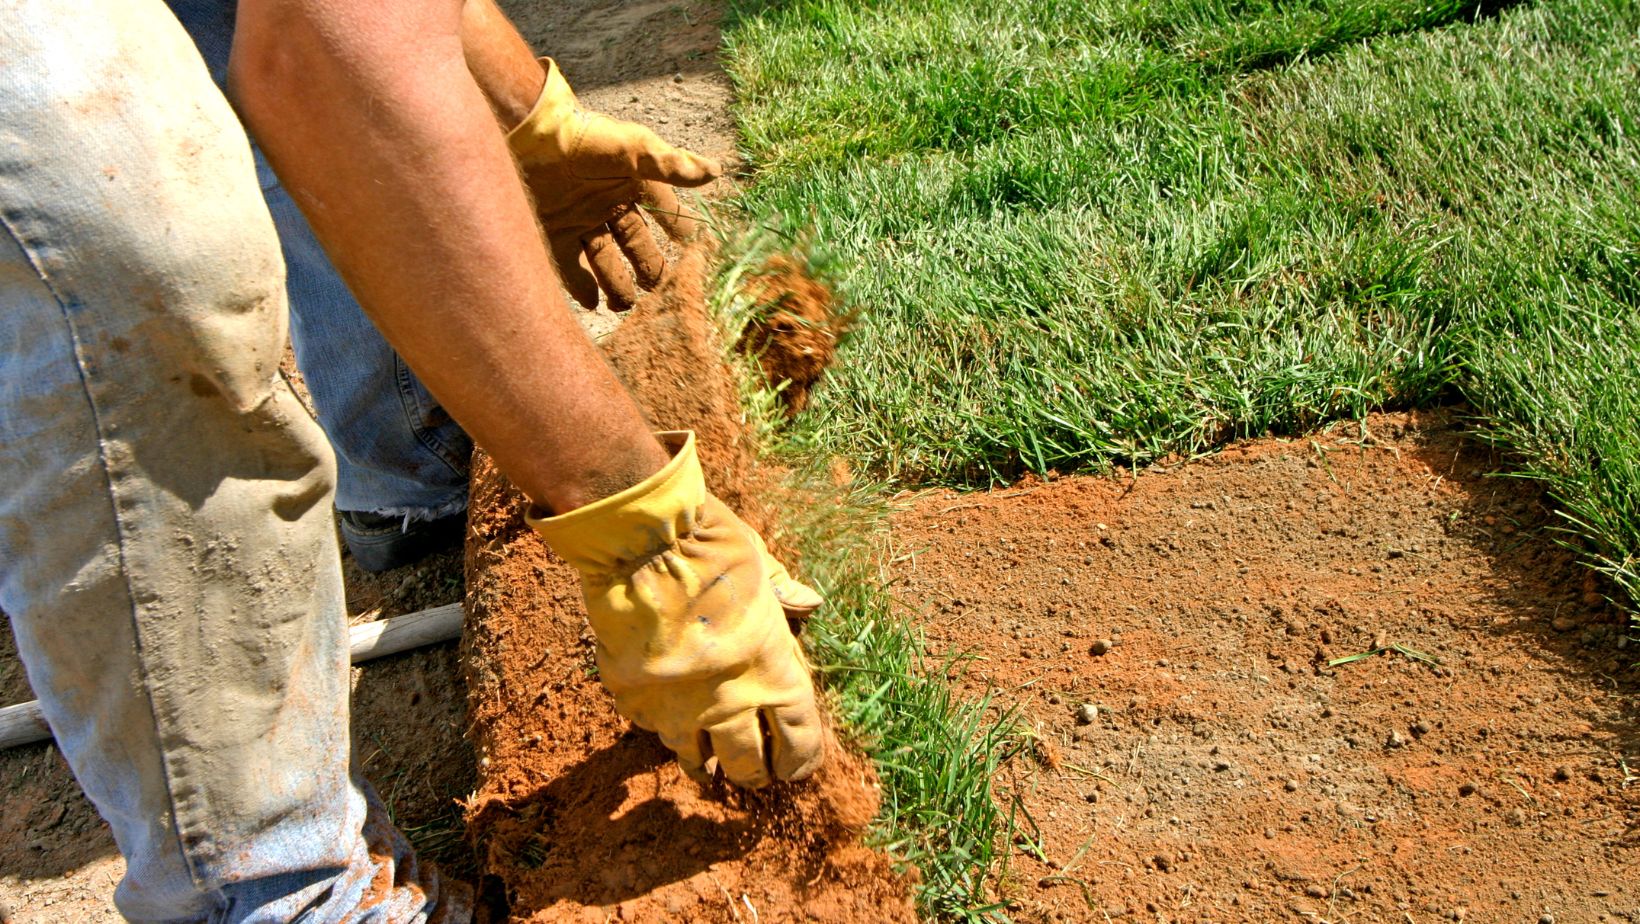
(578,816)
(1225,772)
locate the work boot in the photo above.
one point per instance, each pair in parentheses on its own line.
(380,542)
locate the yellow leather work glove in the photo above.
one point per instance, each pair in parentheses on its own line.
(692,640)
(589,173)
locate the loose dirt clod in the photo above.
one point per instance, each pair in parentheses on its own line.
(581,817)
(794,329)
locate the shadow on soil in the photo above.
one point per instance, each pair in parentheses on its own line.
(600,43)
(529,832)
(1555,605)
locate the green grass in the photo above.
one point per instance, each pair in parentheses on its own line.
(1097,231)
(935,754)
(1089,232)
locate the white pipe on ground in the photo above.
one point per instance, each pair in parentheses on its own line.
(23,723)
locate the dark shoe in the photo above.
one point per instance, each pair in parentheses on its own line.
(379,542)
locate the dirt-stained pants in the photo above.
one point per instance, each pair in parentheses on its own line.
(167,553)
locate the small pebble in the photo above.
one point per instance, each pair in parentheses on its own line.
(1466,789)
(1420,729)
(1394,740)
(1546,918)
(1086,714)
(1290,786)
(1315,891)
(677,77)
(1562,774)
(1100,647)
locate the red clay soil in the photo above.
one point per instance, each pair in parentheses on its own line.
(1225,772)
(579,816)
(794,329)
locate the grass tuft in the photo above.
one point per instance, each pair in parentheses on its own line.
(935,755)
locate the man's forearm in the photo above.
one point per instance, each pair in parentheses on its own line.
(371,118)
(502,63)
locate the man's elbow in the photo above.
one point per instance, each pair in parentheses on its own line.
(264,73)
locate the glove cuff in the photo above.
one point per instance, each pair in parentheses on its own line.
(545,134)
(626,529)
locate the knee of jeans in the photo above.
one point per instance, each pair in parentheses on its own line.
(210,302)
(154,228)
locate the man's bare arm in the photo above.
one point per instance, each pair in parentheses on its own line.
(369,115)
(501,60)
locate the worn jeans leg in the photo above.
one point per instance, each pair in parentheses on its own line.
(166,550)
(397,451)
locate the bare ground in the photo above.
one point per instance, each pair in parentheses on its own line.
(1170,640)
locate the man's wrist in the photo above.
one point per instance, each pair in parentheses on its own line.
(616,469)
(504,67)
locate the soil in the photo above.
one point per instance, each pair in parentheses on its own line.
(795,327)
(584,818)
(1170,641)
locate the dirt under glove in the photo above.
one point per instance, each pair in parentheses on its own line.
(692,639)
(589,173)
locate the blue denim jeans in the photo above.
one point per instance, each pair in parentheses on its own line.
(167,550)
(397,451)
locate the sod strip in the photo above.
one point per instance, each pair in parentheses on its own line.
(1087,232)
(935,755)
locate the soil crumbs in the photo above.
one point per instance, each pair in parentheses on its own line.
(581,817)
(795,327)
(1199,756)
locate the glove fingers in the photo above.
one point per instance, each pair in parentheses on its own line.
(738,744)
(679,223)
(610,270)
(633,237)
(573,271)
(678,167)
(798,599)
(796,741)
(657,160)
(608,147)
(691,749)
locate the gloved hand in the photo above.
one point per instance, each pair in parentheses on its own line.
(589,173)
(692,639)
